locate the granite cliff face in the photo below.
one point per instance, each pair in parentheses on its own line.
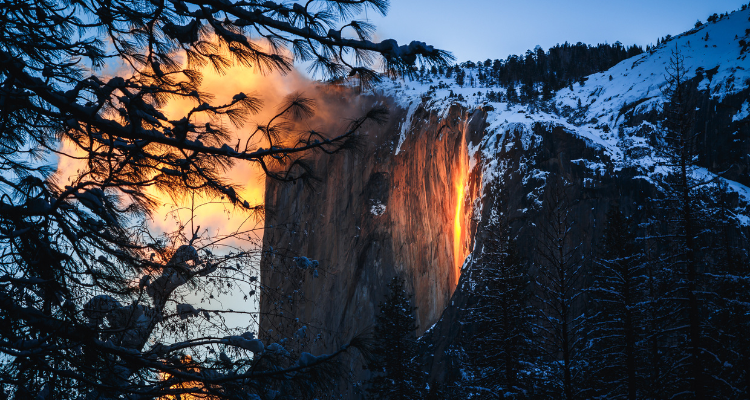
(376,213)
(415,201)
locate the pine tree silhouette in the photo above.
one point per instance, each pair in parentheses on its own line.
(396,370)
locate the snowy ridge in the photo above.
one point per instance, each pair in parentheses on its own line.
(406,124)
(595,110)
(712,51)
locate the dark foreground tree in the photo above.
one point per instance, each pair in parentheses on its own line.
(560,328)
(397,374)
(90,300)
(500,349)
(681,204)
(730,311)
(682,263)
(616,328)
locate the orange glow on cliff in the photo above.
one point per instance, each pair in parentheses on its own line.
(457,225)
(460,230)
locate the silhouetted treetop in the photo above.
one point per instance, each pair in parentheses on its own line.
(85,285)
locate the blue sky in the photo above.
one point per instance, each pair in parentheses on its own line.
(480,29)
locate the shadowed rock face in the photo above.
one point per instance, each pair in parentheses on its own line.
(516,194)
(722,145)
(374,214)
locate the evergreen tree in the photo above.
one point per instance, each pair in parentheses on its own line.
(616,327)
(660,314)
(501,317)
(510,93)
(528,92)
(397,374)
(683,210)
(559,321)
(460,77)
(96,304)
(547,93)
(686,228)
(729,309)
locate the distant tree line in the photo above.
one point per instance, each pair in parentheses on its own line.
(556,68)
(538,72)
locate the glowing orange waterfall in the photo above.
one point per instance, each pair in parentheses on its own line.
(459,233)
(457,237)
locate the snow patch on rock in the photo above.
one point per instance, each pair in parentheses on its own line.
(743,113)
(377,209)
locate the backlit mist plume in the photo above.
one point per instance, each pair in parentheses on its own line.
(217,215)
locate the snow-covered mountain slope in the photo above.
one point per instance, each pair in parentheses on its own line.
(617,111)
(713,51)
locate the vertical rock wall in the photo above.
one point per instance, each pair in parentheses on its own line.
(374,214)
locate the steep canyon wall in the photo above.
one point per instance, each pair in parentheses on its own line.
(374,214)
(416,200)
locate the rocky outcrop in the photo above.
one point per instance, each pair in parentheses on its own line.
(374,214)
(408,203)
